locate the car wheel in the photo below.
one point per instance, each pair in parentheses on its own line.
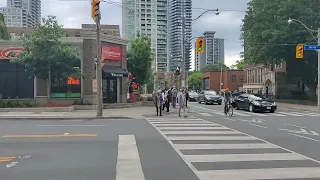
(205,101)
(219,103)
(272,111)
(199,101)
(251,108)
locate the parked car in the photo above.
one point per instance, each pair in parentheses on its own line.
(209,97)
(255,103)
(193,96)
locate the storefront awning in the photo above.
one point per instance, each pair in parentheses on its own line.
(114,71)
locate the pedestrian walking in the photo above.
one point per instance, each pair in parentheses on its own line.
(168,97)
(174,94)
(182,103)
(158,103)
(187,98)
(163,94)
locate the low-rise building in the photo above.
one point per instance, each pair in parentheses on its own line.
(14,82)
(263,79)
(232,79)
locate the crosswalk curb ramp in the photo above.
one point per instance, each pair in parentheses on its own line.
(217,152)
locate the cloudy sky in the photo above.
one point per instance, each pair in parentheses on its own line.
(72,13)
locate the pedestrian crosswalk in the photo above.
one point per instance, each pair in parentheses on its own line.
(217,152)
(245,113)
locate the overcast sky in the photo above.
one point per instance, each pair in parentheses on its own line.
(72,13)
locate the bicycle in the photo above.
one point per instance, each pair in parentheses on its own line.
(229,109)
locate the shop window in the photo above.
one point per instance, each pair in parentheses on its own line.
(233,78)
(66,88)
(241,79)
(69,87)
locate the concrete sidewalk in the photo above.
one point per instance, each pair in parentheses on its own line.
(139,112)
(297,107)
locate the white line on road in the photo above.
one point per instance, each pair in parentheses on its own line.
(11,164)
(303,130)
(293,125)
(229,119)
(306,138)
(66,133)
(257,125)
(314,133)
(128,161)
(66,125)
(225,146)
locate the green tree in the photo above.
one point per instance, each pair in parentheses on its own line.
(3,29)
(239,65)
(195,80)
(214,67)
(269,39)
(46,56)
(140,58)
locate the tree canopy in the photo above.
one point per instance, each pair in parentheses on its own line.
(195,80)
(140,58)
(3,29)
(46,56)
(239,65)
(214,67)
(269,39)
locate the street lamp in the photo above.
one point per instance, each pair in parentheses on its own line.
(311,31)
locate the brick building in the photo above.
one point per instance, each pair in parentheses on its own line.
(232,79)
(115,75)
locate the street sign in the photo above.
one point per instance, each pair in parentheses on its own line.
(311,47)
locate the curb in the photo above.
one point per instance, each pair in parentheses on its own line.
(61,118)
(311,110)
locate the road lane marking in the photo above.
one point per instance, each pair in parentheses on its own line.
(70,125)
(224,146)
(306,138)
(6,159)
(48,135)
(314,133)
(244,157)
(200,132)
(272,173)
(200,138)
(191,128)
(11,164)
(293,125)
(257,125)
(128,161)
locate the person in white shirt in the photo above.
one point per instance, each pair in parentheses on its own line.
(182,103)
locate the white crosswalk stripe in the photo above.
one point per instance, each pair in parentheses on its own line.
(218,152)
(246,114)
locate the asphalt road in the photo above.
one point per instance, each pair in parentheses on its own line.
(293,131)
(87,150)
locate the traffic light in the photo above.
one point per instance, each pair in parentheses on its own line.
(299,51)
(200,45)
(95,13)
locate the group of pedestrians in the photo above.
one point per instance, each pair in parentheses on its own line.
(164,98)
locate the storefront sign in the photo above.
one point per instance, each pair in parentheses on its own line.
(10,53)
(72,81)
(111,53)
(116,75)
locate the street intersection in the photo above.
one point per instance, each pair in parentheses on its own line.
(204,146)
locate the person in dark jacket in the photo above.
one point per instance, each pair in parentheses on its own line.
(158,103)
(187,98)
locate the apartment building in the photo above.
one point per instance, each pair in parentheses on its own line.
(213,51)
(22,13)
(180,16)
(149,17)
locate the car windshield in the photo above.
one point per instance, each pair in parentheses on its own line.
(212,93)
(255,97)
(193,93)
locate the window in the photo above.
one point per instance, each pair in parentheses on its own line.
(241,78)
(233,78)
(66,88)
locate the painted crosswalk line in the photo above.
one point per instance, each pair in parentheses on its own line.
(218,152)
(248,114)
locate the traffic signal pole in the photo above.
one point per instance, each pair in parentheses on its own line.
(99,72)
(183,53)
(96,16)
(318,37)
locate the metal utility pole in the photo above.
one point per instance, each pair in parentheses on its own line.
(96,16)
(318,37)
(183,52)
